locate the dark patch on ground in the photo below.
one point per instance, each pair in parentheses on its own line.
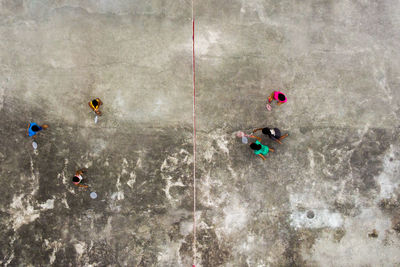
(339,234)
(294,241)
(134,221)
(213,251)
(29,243)
(66,256)
(292,255)
(396,227)
(390,204)
(366,160)
(102,250)
(347,208)
(373,234)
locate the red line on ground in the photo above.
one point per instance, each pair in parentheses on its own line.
(194,140)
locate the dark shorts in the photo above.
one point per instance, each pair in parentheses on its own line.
(277,134)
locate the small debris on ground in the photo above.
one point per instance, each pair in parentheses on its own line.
(373,234)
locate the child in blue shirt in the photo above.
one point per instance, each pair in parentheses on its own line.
(33,129)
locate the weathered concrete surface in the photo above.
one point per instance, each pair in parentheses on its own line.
(338,62)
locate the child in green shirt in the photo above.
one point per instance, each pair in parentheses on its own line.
(260,149)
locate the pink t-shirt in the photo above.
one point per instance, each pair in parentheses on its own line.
(276,93)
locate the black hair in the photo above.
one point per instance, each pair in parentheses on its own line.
(35,128)
(95,102)
(75,179)
(255,146)
(281,97)
(266,131)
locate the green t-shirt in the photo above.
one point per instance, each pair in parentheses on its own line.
(264,149)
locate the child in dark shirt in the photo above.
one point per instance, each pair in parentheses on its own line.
(274,134)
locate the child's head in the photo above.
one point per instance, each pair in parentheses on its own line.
(45,126)
(35,128)
(281,97)
(266,131)
(98,112)
(255,146)
(75,179)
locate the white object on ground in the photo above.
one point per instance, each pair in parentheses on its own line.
(95,119)
(268,106)
(93,195)
(244,140)
(34,144)
(240,134)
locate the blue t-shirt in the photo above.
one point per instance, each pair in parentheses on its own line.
(264,149)
(32,132)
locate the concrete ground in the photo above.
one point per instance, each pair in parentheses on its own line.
(316,201)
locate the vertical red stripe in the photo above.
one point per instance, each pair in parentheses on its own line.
(194,140)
